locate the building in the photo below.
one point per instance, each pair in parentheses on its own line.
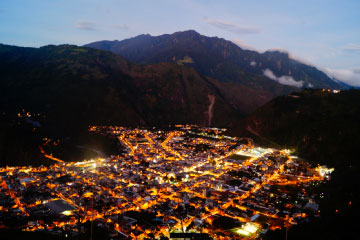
(60,207)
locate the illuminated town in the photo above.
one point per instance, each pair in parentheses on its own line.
(166,184)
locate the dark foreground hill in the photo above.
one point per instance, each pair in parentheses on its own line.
(223,60)
(324,128)
(320,124)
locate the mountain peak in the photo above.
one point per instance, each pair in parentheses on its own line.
(187,32)
(187,35)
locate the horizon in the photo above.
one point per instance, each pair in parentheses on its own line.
(322,33)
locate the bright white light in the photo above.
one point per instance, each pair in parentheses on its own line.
(287,151)
(67,213)
(242,232)
(324,170)
(250,228)
(247,230)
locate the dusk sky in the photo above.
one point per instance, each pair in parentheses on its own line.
(325,33)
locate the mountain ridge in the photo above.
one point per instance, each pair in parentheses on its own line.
(220,59)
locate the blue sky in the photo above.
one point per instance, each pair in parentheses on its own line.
(325,33)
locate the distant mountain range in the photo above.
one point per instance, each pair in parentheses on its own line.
(179,78)
(222,60)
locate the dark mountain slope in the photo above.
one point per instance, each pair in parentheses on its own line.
(67,88)
(67,83)
(324,128)
(320,124)
(76,86)
(220,59)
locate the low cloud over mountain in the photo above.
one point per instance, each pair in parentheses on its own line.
(286,80)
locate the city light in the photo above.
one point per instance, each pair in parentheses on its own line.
(251,228)
(162,171)
(323,170)
(242,232)
(248,229)
(67,213)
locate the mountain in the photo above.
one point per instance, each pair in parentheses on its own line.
(320,124)
(56,92)
(323,127)
(272,71)
(75,86)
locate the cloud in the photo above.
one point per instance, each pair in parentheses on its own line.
(285,80)
(91,26)
(84,25)
(352,48)
(349,76)
(231,27)
(120,26)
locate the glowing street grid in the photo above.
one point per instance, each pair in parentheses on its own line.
(187,179)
